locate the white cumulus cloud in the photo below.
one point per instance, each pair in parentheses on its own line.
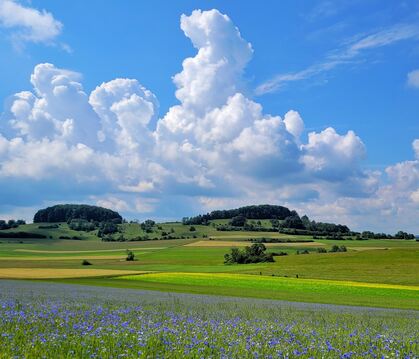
(215,72)
(125,108)
(332,155)
(29,24)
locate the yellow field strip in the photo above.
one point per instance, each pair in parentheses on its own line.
(93,251)
(251,277)
(247,243)
(250,234)
(54,273)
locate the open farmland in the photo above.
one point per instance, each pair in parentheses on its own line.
(188,259)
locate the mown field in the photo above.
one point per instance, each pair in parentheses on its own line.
(196,264)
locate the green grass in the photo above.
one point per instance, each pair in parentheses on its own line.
(290,289)
(393,266)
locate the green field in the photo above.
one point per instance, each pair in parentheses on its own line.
(303,290)
(196,264)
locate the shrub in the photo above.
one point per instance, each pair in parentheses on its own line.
(256,253)
(321,250)
(192,229)
(81,225)
(279,254)
(147,225)
(337,248)
(238,221)
(106,228)
(305,251)
(130,255)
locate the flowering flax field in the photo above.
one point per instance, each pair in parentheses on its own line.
(41,320)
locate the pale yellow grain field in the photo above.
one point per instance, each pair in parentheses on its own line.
(55,273)
(244,244)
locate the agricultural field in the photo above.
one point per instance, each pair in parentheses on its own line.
(378,273)
(67,321)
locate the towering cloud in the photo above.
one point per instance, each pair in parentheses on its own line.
(215,72)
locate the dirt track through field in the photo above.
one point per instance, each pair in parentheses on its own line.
(247,243)
(51,273)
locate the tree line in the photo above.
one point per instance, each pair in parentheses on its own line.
(255,212)
(286,221)
(11,223)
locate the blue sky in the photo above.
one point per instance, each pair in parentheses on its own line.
(218,141)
